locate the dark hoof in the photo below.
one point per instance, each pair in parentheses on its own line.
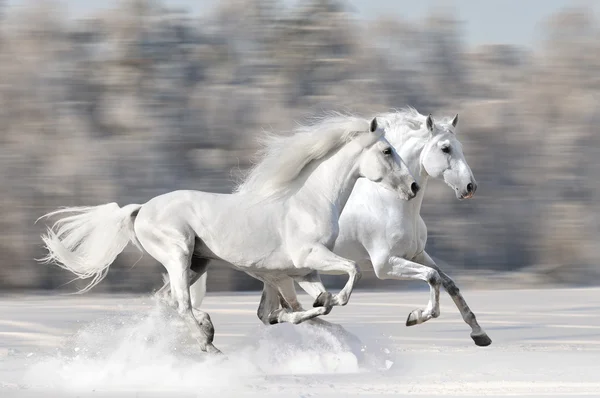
(411,320)
(324,300)
(481,340)
(274,317)
(211,349)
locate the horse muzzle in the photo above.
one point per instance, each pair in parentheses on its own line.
(469,191)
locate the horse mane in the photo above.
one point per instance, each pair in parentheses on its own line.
(407,123)
(282,158)
(411,115)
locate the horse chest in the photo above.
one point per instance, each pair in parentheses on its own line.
(405,239)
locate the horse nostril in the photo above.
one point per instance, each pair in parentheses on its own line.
(469,187)
(414,187)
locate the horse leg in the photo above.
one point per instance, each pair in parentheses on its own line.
(277,291)
(198,321)
(197,284)
(478,335)
(164,293)
(321,259)
(399,268)
(269,303)
(312,285)
(175,254)
(287,295)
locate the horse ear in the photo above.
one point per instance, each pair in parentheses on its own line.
(373,125)
(455,121)
(429,123)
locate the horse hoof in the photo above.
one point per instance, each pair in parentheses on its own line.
(211,349)
(323,300)
(414,318)
(481,340)
(274,317)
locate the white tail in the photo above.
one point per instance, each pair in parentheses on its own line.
(87,242)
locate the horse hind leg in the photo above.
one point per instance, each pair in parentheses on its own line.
(281,291)
(198,268)
(164,294)
(198,321)
(175,254)
(198,282)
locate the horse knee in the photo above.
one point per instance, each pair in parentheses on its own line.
(433,278)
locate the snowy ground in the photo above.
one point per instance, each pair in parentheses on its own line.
(545,343)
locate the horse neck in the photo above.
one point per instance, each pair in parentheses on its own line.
(410,150)
(332,180)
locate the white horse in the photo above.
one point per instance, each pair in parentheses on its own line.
(280,225)
(379,230)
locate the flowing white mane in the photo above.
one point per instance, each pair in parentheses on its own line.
(407,123)
(283,157)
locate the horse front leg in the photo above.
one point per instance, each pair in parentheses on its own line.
(394,267)
(478,335)
(288,299)
(278,291)
(286,295)
(321,259)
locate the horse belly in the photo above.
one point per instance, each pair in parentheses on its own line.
(238,234)
(239,249)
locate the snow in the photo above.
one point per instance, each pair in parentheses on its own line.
(545,343)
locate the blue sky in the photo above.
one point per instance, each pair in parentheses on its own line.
(486,21)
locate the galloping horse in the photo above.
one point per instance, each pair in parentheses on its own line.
(381,231)
(280,225)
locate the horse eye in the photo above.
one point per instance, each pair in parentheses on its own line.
(446,149)
(387,151)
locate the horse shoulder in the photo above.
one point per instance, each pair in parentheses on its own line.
(363,217)
(406,233)
(422,231)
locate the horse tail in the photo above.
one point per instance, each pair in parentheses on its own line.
(88,241)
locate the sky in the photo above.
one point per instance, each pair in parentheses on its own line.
(485,21)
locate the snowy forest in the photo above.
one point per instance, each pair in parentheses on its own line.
(125,104)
